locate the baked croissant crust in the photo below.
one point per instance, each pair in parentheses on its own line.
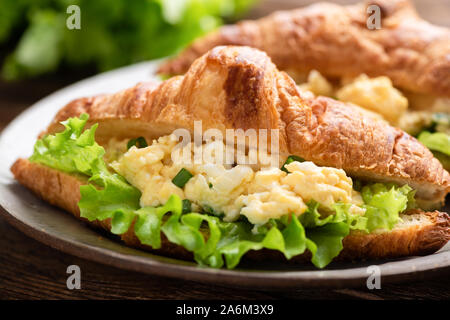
(335,40)
(239,87)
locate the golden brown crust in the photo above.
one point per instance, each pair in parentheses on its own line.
(431,234)
(335,41)
(239,87)
(414,240)
(55,187)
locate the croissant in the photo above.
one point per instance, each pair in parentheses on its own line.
(335,40)
(240,88)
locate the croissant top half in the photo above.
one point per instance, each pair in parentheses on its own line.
(336,41)
(239,87)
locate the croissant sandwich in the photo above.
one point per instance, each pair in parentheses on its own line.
(401,70)
(341,184)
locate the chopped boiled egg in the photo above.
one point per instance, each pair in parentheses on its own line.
(259,194)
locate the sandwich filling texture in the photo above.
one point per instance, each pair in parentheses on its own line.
(259,194)
(216,211)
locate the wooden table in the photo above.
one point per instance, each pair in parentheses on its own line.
(31,270)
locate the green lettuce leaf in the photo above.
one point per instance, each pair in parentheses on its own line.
(312,218)
(437,138)
(295,241)
(72,150)
(40,47)
(384,203)
(238,239)
(326,242)
(207,253)
(107,195)
(354,221)
(437,141)
(36,39)
(325,235)
(148,224)
(114,195)
(182,234)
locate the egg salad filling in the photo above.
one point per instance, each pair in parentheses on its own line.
(258,194)
(219,212)
(429,119)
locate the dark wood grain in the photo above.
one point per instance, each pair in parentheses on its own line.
(31,270)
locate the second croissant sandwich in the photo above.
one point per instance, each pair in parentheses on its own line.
(347,185)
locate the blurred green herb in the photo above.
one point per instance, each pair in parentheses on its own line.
(112,34)
(138,142)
